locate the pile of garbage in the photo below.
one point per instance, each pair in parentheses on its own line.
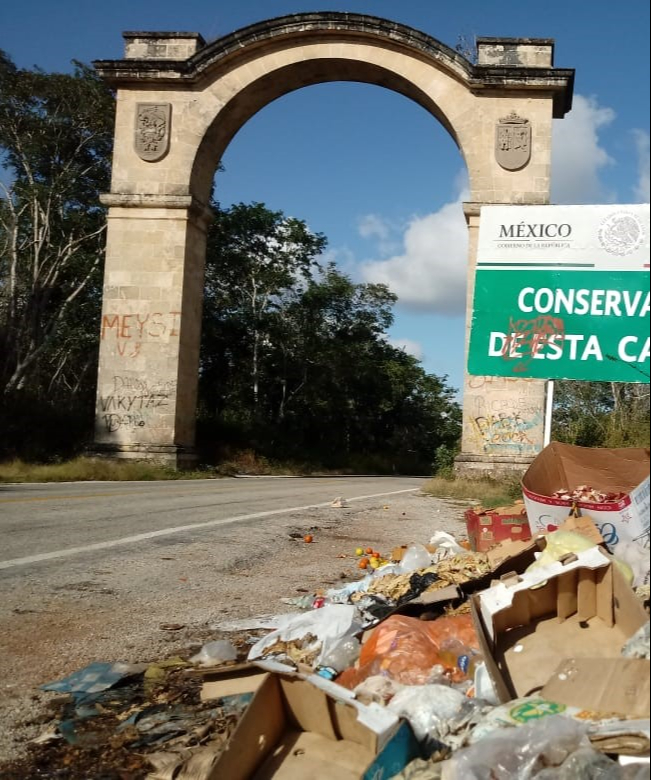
(446,660)
(528,658)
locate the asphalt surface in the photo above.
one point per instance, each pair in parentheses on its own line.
(143,571)
(53,522)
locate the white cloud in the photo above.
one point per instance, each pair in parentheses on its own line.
(430,273)
(642,143)
(577,156)
(380,230)
(409,346)
(372,226)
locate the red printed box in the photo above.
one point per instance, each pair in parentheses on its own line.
(487,527)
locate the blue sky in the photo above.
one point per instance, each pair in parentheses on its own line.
(373,171)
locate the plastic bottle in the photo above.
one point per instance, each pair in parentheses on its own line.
(458,656)
(339,657)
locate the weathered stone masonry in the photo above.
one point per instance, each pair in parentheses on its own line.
(179,103)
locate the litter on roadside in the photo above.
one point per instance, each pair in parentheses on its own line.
(527,654)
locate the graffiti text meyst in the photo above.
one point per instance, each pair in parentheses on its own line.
(131,330)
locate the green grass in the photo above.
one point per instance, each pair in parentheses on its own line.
(487,492)
(84,469)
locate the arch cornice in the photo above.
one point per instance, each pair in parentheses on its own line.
(297,29)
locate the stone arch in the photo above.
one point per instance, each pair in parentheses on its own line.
(180,102)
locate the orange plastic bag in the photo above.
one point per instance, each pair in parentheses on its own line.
(405,649)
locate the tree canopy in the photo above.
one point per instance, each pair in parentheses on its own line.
(295,356)
(55,143)
(56,135)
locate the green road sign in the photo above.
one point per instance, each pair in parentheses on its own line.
(562,293)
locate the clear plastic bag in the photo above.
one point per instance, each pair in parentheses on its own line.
(438,714)
(639,645)
(342,654)
(519,753)
(214,653)
(415,557)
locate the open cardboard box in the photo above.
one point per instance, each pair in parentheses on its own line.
(566,467)
(297,728)
(577,610)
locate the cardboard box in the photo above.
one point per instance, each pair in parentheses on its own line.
(566,467)
(619,686)
(574,610)
(487,527)
(234,681)
(297,728)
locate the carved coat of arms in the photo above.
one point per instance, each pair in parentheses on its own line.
(513,142)
(152,138)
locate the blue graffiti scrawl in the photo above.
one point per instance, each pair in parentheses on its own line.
(507,433)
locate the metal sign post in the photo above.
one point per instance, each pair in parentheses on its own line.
(549,408)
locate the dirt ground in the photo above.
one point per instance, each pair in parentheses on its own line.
(170,597)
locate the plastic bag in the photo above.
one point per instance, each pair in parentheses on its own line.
(406,649)
(415,557)
(377,689)
(560,543)
(438,714)
(583,764)
(637,559)
(341,654)
(527,710)
(319,628)
(518,753)
(216,652)
(446,545)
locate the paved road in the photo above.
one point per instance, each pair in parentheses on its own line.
(53,522)
(142,571)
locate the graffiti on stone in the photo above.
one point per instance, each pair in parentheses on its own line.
(130,331)
(130,384)
(134,402)
(507,432)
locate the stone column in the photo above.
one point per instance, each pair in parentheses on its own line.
(502,416)
(150,329)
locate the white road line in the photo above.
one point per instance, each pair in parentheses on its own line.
(177,529)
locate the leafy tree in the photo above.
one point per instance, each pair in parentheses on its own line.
(55,142)
(601,414)
(56,133)
(327,384)
(255,255)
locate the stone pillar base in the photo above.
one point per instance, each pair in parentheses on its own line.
(495,466)
(165,454)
